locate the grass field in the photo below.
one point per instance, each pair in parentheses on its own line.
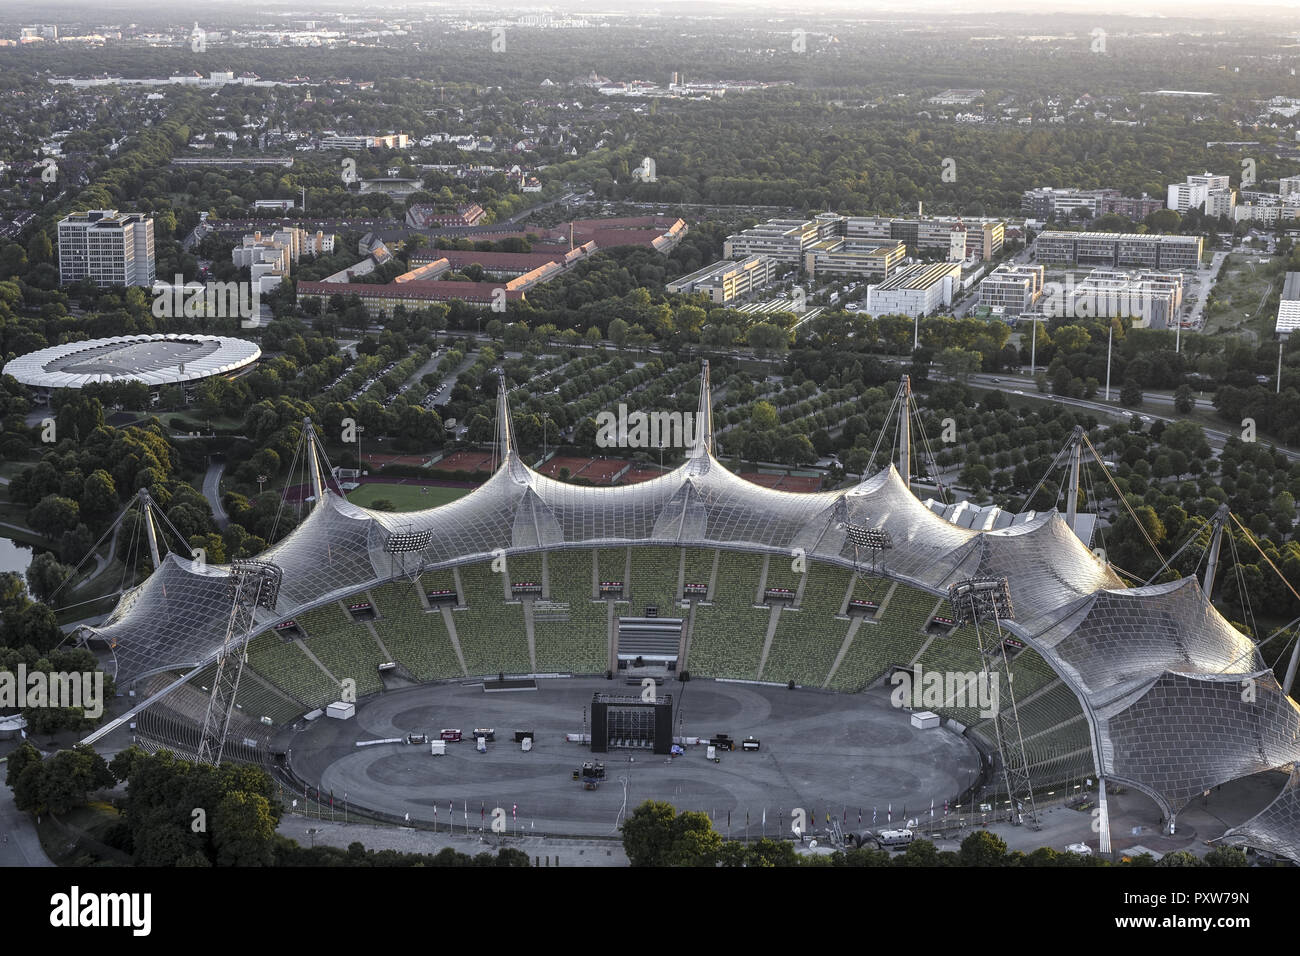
(406,497)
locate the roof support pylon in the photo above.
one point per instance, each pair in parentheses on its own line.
(703,444)
(1072,497)
(1219,520)
(905,430)
(313,462)
(151,531)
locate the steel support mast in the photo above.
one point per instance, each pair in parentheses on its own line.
(988,599)
(253,584)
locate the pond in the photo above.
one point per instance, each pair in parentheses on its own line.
(15,556)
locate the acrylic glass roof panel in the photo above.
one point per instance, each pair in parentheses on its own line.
(1189,733)
(178,615)
(1136,633)
(330,551)
(1046,565)
(1276,828)
(925,546)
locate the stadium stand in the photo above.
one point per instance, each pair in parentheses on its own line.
(699,567)
(344,647)
(892,638)
(727,637)
(612,563)
(255,699)
(491,632)
(808,639)
(525,567)
(654,581)
(577,639)
(781,574)
(287,667)
(417,638)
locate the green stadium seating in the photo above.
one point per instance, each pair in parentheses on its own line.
(699,566)
(653,581)
(781,574)
(287,667)
(808,639)
(580,645)
(416,638)
(491,632)
(344,646)
(612,563)
(525,567)
(254,699)
(727,636)
(891,639)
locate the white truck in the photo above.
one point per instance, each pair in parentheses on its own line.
(893,838)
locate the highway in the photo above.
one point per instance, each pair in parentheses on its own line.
(1023,386)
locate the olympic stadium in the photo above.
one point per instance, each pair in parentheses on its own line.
(156,360)
(759,608)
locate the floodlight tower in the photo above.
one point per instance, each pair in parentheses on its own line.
(874,541)
(989,599)
(253,584)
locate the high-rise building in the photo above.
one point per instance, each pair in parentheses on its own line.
(107,247)
(1212,193)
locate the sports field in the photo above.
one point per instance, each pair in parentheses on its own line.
(406,497)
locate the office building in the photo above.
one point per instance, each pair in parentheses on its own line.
(916,290)
(868,259)
(107,247)
(1119,249)
(1288,309)
(726,281)
(1013,289)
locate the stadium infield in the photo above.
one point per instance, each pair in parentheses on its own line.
(824,752)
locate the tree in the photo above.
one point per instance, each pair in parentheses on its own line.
(1184,401)
(1226,856)
(54,515)
(648,834)
(45,574)
(765,337)
(1130,395)
(19,760)
(243,830)
(983,848)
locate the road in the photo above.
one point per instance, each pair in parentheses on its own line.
(212,491)
(19,845)
(1028,389)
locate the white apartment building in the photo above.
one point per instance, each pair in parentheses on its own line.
(270,258)
(1213,193)
(107,247)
